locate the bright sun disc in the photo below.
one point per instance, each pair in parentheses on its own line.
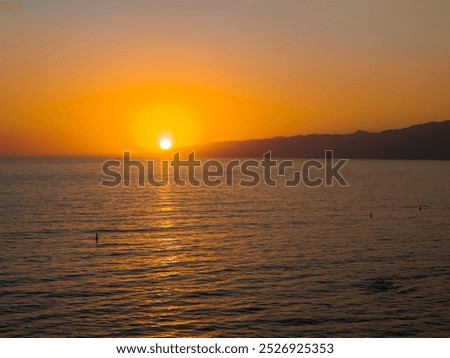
(165,144)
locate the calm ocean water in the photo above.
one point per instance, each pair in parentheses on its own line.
(224,262)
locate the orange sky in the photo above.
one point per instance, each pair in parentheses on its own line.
(101,77)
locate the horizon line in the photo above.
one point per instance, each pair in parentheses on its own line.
(165,154)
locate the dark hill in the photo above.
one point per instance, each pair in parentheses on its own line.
(425,141)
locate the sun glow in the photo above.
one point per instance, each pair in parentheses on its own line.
(156,122)
(165,143)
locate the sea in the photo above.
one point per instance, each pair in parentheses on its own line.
(224,261)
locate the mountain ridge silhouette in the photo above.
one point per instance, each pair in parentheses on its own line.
(428,141)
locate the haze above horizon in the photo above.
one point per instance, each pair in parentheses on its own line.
(106,76)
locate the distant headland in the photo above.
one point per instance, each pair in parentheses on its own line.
(430,141)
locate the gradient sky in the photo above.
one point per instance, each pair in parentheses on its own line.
(101,77)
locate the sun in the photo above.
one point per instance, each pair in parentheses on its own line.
(165,143)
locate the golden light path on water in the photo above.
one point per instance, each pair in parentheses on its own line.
(224,262)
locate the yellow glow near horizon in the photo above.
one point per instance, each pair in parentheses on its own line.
(280,68)
(163,121)
(165,143)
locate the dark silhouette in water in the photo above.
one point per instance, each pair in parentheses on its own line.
(420,207)
(371,216)
(380,284)
(96,237)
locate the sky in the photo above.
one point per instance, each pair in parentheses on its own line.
(103,77)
